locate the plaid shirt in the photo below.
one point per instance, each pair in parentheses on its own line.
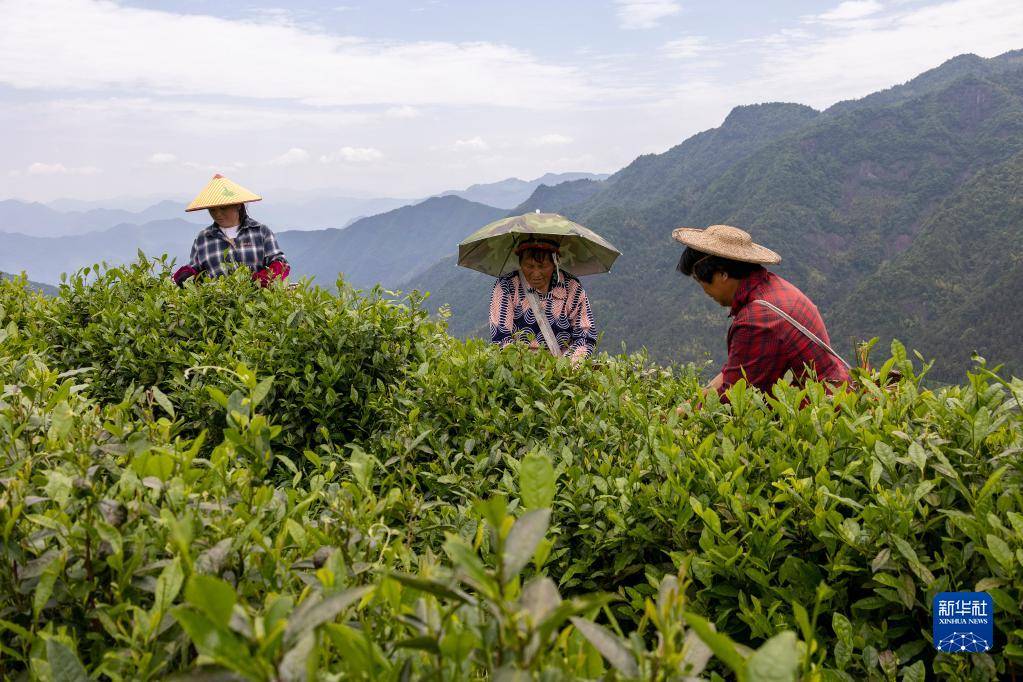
(566,306)
(255,247)
(762,345)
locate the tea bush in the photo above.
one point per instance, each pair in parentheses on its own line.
(329,354)
(412,506)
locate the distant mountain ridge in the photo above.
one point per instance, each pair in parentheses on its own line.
(387,248)
(40,220)
(511,192)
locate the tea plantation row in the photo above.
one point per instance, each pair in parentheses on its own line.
(285,484)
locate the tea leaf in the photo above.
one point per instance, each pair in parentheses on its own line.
(309,617)
(522,541)
(609,645)
(64,663)
(776,661)
(1000,551)
(722,645)
(212,596)
(536,481)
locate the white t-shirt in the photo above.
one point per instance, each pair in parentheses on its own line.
(230,232)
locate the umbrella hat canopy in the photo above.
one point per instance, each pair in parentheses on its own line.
(221,192)
(491,249)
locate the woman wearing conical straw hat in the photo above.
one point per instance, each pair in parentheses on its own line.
(775,327)
(234,239)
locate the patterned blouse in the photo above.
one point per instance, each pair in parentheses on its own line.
(255,247)
(567,308)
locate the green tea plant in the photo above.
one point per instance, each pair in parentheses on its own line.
(187,490)
(329,354)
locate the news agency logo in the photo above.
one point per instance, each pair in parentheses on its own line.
(964,622)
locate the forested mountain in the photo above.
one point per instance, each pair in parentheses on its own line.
(387,248)
(558,198)
(513,191)
(851,198)
(953,291)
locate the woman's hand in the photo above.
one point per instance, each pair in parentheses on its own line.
(274,271)
(182,274)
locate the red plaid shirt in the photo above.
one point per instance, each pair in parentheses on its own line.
(762,345)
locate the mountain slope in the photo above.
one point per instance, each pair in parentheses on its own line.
(46,258)
(388,248)
(558,198)
(953,291)
(39,220)
(934,79)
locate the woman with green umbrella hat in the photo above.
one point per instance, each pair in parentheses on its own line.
(534,298)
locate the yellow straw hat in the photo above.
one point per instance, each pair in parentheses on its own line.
(221,192)
(726,241)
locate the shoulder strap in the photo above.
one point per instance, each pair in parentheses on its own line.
(541,318)
(806,332)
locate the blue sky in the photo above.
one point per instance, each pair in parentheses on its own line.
(100,98)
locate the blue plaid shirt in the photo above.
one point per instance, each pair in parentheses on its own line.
(255,247)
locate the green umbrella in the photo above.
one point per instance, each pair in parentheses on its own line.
(491,249)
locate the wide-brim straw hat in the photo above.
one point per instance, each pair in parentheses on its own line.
(726,241)
(221,192)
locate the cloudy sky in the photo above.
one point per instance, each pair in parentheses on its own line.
(113,98)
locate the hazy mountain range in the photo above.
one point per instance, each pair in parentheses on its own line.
(296,211)
(899,213)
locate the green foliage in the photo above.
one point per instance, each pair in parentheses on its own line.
(473,512)
(328,355)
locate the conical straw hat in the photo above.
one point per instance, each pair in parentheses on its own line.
(726,241)
(221,192)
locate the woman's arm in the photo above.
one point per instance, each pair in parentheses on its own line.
(272,251)
(584,329)
(501,316)
(194,266)
(275,264)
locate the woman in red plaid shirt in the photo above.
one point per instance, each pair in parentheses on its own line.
(775,327)
(234,239)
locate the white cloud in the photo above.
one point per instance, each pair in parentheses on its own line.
(852,9)
(403,112)
(293,156)
(552,139)
(353,155)
(477,144)
(94,45)
(635,14)
(847,61)
(196,117)
(39,168)
(685,48)
(162,158)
